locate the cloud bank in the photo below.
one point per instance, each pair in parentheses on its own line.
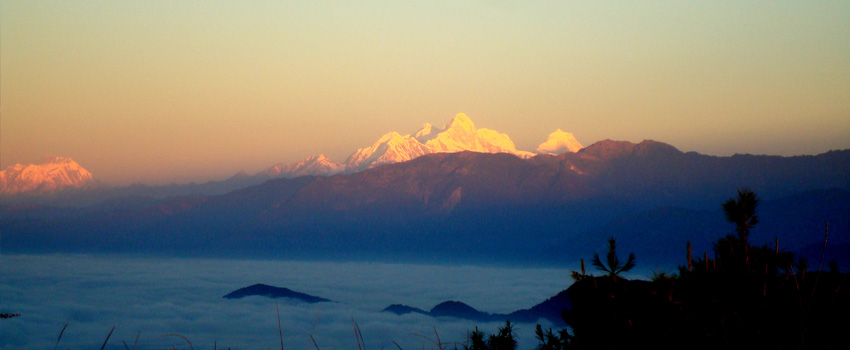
(154,297)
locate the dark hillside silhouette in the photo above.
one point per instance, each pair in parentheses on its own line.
(464,207)
(743,297)
(740,296)
(265,290)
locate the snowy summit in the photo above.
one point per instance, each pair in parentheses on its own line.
(53,174)
(559,142)
(458,135)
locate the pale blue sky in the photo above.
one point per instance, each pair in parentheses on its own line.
(162,91)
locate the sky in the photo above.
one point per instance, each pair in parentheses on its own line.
(151,297)
(158,92)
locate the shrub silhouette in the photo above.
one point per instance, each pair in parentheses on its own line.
(745,297)
(504,339)
(612,262)
(742,212)
(550,341)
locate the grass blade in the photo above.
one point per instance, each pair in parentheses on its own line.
(314,342)
(279,329)
(107,338)
(357,335)
(60,334)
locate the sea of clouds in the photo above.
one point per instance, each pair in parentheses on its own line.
(154,297)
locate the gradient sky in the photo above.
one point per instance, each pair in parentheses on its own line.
(176,91)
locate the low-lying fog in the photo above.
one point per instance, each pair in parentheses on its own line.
(159,296)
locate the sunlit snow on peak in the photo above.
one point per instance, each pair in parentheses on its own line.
(559,142)
(458,135)
(56,173)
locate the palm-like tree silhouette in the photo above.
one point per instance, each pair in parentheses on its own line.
(613,266)
(742,212)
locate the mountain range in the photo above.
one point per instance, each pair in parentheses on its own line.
(459,134)
(471,206)
(550,309)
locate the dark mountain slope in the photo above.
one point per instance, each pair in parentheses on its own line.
(550,309)
(660,235)
(464,206)
(268,291)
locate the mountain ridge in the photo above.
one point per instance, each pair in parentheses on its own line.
(273,292)
(52,175)
(467,206)
(458,135)
(550,309)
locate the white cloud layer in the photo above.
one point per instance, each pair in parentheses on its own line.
(157,296)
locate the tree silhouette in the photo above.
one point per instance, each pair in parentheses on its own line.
(742,212)
(552,341)
(746,297)
(477,340)
(613,267)
(504,339)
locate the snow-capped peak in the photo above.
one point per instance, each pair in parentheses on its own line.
(423,132)
(322,158)
(315,165)
(559,142)
(55,173)
(460,121)
(390,148)
(458,135)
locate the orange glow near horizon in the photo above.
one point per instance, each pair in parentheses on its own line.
(158,92)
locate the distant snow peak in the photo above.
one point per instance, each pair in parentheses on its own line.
(559,142)
(55,173)
(458,135)
(315,165)
(57,160)
(423,132)
(390,148)
(460,121)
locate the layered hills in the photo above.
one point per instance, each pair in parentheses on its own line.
(470,206)
(458,135)
(550,309)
